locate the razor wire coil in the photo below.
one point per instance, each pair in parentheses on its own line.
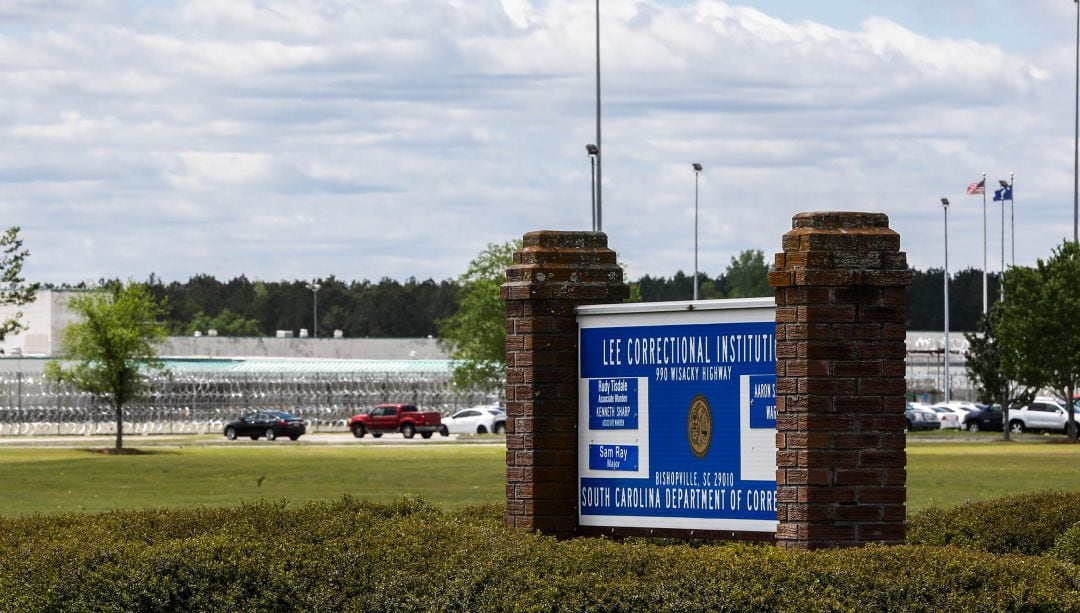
(199,403)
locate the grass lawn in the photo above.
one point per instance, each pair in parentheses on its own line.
(946,474)
(43,480)
(49,480)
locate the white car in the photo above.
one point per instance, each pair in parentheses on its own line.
(1044,413)
(958,408)
(949,419)
(478,420)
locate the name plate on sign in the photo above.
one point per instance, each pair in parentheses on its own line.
(763,401)
(613,404)
(613,457)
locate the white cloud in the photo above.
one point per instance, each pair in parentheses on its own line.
(398,137)
(206,169)
(519,11)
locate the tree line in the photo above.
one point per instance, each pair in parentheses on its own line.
(413,308)
(747,276)
(241,307)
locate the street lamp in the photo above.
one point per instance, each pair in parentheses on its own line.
(593,152)
(18,353)
(599,224)
(697,173)
(945,205)
(315,287)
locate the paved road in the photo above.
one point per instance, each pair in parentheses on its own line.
(184,440)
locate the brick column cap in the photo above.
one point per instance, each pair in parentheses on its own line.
(565,265)
(839,220)
(562,239)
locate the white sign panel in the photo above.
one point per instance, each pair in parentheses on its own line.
(677,415)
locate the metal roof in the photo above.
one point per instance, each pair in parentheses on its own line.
(272,365)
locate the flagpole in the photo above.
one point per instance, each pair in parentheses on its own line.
(1001,279)
(985,297)
(1012,219)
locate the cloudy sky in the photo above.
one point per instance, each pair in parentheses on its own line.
(396,138)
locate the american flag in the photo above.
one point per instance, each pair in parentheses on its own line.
(977,188)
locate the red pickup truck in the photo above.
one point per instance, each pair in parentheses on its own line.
(403,418)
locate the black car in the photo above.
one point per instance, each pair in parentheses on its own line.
(983,418)
(270,424)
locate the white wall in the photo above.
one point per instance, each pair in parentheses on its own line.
(48,315)
(325,348)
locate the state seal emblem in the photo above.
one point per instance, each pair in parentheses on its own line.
(699,426)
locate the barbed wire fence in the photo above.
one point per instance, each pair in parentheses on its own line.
(201,403)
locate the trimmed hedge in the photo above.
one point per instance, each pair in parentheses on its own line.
(350,555)
(1067,546)
(1025,523)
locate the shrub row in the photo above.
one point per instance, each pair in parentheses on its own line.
(350,555)
(1024,523)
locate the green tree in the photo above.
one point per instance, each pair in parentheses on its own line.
(226,323)
(983,359)
(748,275)
(635,288)
(476,334)
(926,298)
(965,298)
(110,348)
(14,290)
(1039,326)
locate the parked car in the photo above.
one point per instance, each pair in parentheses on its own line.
(919,418)
(1044,413)
(983,418)
(959,407)
(950,420)
(270,424)
(478,420)
(404,418)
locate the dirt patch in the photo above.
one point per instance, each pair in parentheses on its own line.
(115,451)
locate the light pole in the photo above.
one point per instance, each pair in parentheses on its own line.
(1001,279)
(593,151)
(945,205)
(1076,133)
(599,219)
(17,352)
(315,287)
(697,173)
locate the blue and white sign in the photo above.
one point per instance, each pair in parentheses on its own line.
(613,404)
(677,417)
(613,457)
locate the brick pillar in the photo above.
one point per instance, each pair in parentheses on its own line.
(841,309)
(553,273)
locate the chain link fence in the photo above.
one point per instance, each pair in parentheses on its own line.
(200,403)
